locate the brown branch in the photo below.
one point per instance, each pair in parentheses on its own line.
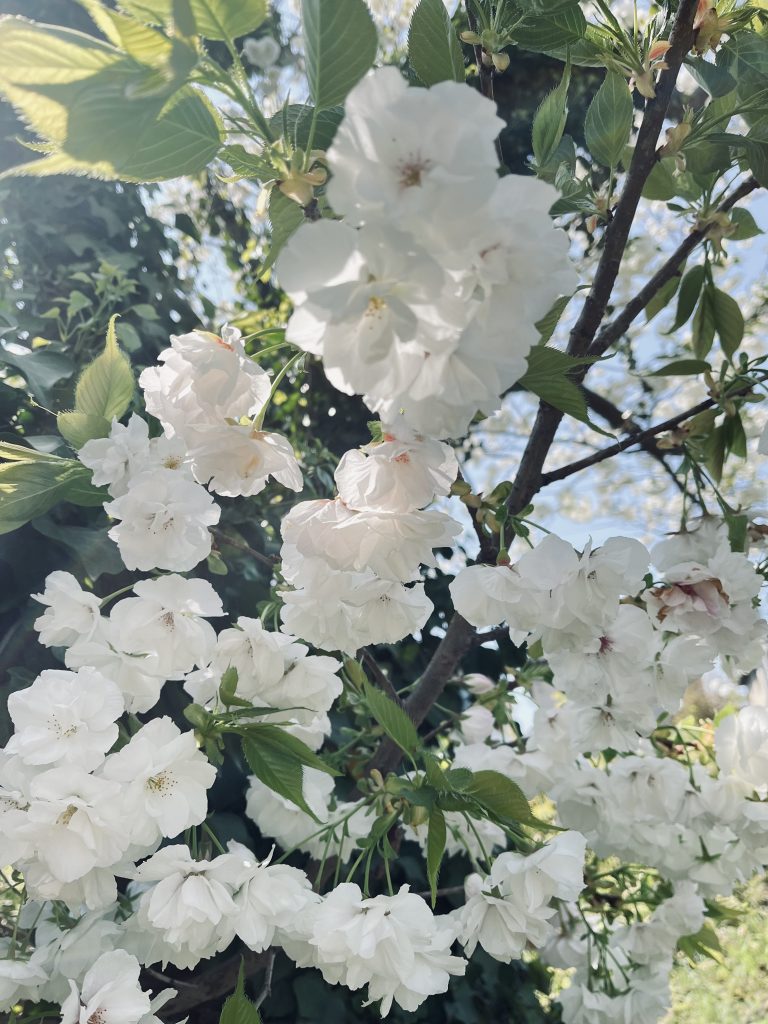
(219,980)
(547,421)
(612,331)
(458,637)
(452,648)
(615,418)
(499,633)
(638,438)
(380,677)
(269,560)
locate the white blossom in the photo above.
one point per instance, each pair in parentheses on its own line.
(164,522)
(72,613)
(238,460)
(65,717)
(391,944)
(129,451)
(205,379)
(167,620)
(164,779)
(401,473)
(741,744)
(109,994)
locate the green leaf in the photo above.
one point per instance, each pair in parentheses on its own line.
(340,43)
(223,19)
(502,797)
(436,777)
(278,760)
(79,427)
(745,224)
(99,111)
(238,1008)
(89,546)
(716,80)
(545,32)
(106,386)
(30,489)
(434,52)
(549,121)
(392,718)
(546,326)
(436,836)
(134,141)
(664,295)
(681,368)
(548,377)
(662,183)
(690,289)
(22,453)
(729,321)
(297,118)
(609,120)
(285,217)
(247,165)
(703,329)
(41,367)
(214,19)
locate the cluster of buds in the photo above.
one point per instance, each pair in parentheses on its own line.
(709,27)
(492,43)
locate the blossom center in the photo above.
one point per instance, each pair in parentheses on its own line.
(412,170)
(67,815)
(160,783)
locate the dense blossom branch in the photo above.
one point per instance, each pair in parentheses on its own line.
(459,635)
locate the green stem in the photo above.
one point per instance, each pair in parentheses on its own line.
(258,421)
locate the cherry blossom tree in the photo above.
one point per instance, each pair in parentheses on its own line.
(592,821)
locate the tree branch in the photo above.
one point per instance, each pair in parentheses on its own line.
(612,331)
(381,679)
(615,418)
(219,980)
(640,437)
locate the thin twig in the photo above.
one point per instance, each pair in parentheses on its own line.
(612,331)
(644,435)
(267,986)
(223,538)
(614,417)
(381,679)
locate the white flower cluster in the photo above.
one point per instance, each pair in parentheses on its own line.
(74,814)
(207,395)
(424,299)
(622,653)
(273,671)
(353,562)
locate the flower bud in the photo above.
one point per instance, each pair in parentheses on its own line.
(676,137)
(471,37)
(416,816)
(500,61)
